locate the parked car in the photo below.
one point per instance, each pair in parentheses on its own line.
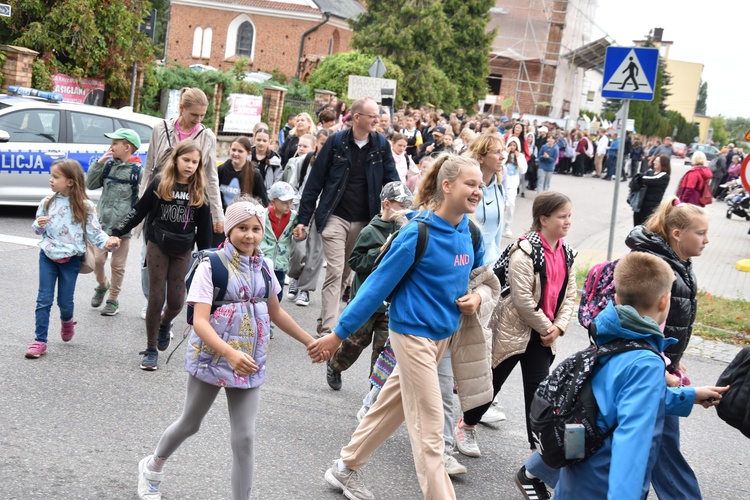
(710,151)
(35,131)
(679,148)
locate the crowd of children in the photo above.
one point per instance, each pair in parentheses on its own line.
(447,212)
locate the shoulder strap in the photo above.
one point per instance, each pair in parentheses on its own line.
(166,131)
(266,278)
(219,276)
(475,234)
(106,171)
(423,236)
(303,168)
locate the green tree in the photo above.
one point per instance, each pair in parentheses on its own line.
(439,44)
(682,131)
(719,124)
(83,38)
(737,128)
(701,103)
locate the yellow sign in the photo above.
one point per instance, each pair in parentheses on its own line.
(507,103)
(747,136)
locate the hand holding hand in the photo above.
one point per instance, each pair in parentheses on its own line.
(709,396)
(218,227)
(299,232)
(324,347)
(469,304)
(42,221)
(112,242)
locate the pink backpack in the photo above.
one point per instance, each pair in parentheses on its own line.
(598,290)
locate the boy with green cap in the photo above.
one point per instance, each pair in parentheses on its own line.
(119,173)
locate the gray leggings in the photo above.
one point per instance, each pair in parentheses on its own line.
(243,410)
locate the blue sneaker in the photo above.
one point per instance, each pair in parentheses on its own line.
(150,358)
(165,337)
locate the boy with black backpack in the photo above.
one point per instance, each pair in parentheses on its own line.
(630,390)
(119,176)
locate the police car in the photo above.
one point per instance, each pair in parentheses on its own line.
(37,128)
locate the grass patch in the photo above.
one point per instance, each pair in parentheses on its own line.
(723,319)
(717,318)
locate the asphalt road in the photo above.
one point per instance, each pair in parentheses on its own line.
(77,421)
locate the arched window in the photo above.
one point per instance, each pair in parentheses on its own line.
(245,37)
(197,42)
(240,38)
(208,35)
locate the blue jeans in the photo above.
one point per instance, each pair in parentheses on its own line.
(65,275)
(672,477)
(611,165)
(537,468)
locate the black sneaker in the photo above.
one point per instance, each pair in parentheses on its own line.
(165,337)
(333,377)
(532,489)
(303,298)
(291,293)
(150,358)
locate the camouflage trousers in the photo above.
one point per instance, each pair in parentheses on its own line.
(375,331)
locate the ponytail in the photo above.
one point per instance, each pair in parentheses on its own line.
(672,214)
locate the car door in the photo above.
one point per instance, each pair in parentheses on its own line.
(33,145)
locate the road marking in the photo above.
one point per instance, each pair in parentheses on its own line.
(18,240)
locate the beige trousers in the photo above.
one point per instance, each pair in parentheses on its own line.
(411,393)
(119,259)
(598,163)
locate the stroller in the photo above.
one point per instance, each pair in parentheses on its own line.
(738,200)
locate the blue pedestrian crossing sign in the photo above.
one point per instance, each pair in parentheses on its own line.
(630,73)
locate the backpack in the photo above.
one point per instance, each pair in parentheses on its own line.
(598,290)
(502,266)
(566,397)
(589,148)
(220,278)
(133,180)
(735,403)
(706,196)
(423,236)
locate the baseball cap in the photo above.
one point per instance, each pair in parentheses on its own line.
(503,119)
(439,130)
(396,191)
(543,129)
(281,190)
(128,134)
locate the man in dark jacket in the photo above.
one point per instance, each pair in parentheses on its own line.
(347,177)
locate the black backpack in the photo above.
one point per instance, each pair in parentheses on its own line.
(133,180)
(423,236)
(735,403)
(566,397)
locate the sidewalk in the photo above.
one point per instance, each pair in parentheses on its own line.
(592,205)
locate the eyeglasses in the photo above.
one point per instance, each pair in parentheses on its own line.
(371,117)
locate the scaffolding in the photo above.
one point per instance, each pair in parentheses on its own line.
(532,36)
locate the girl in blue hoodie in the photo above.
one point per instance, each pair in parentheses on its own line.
(424,313)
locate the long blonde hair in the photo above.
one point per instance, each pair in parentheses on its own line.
(196,182)
(311,130)
(447,166)
(72,170)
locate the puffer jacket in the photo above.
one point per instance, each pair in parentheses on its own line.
(117,195)
(517,313)
(683,304)
(471,347)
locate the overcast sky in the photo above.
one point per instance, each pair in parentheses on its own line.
(710,33)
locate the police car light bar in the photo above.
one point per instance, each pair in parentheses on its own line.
(44,94)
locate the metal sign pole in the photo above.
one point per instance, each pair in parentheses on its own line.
(618,175)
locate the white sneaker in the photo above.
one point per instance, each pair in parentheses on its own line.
(148,482)
(291,293)
(452,466)
(303,298)
(466,440)
(143,310)
(493,415)
(508,233)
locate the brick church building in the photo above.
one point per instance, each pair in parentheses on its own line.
(267,32)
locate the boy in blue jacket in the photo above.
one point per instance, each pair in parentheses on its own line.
(630,388)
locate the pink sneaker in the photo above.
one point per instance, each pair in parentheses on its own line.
(36,349)
(68,330)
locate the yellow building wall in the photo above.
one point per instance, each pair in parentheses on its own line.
(703,122)
(685,84)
